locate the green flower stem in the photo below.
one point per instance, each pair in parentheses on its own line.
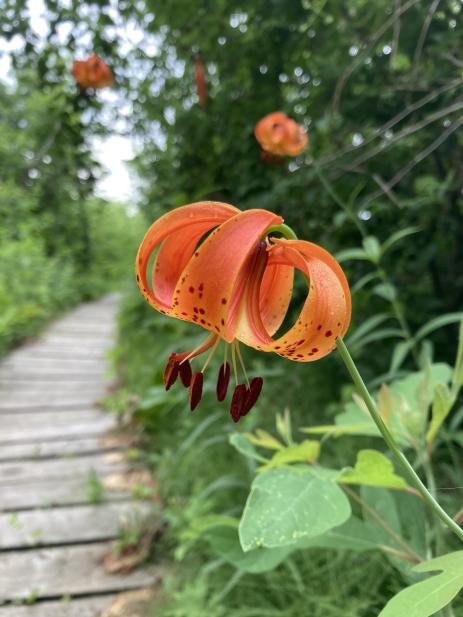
(284,230)
(401,460)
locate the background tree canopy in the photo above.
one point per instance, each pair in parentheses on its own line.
(377,85)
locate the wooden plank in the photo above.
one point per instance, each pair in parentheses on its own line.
(73,570)
(51,493)
(86,607)
(42,348)
(54,417)
(21,472)
(13,361)
(42,402)
(60,447)
(69,525)
(36,433)
(55,378)
(96,331)
(9,390)
(90,340)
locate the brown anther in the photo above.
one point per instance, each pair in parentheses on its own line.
(171,371)
(196,390)
(237,402)
(185,373)
(252,394)
(223,381)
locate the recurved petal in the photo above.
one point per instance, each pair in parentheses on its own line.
(295,139)
(326,311)
(275,295)
(212,284)
(270,132)
(176,234)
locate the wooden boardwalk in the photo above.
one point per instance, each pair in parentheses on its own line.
(54,453)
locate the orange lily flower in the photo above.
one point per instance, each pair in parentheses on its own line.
(280,135)
(92,73)
(200,76)
(237,283)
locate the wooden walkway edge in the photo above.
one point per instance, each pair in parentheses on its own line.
(54,451)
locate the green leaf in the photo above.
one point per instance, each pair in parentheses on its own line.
(457,379)
(378,335)
(336,430)
(364,280)
(348,254)
(425,598)
(367,326)
(442,404)
(286,505)
(283,425)
(263,439)
(372,248)
(373,469)
(438,322)
(386,291)
(225,543)
(400,513)
(397,236)
(399,354)
(353,535)
(307,451)
(244,446)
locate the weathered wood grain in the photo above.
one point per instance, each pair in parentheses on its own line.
(16,427)
(50,493)
(54,459)
(68,525)
(86,607)
(57,448)
(21,472)
(73,570)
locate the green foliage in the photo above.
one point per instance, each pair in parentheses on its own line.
(288,505)
(372,469)
(378,86)
(429,596)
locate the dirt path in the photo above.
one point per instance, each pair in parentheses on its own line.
(55,453)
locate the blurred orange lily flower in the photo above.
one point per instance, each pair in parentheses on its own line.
(280,135)
(92,73)
(200,76)
(237,283)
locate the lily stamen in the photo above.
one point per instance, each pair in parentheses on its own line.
(211,353)
(240,357)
